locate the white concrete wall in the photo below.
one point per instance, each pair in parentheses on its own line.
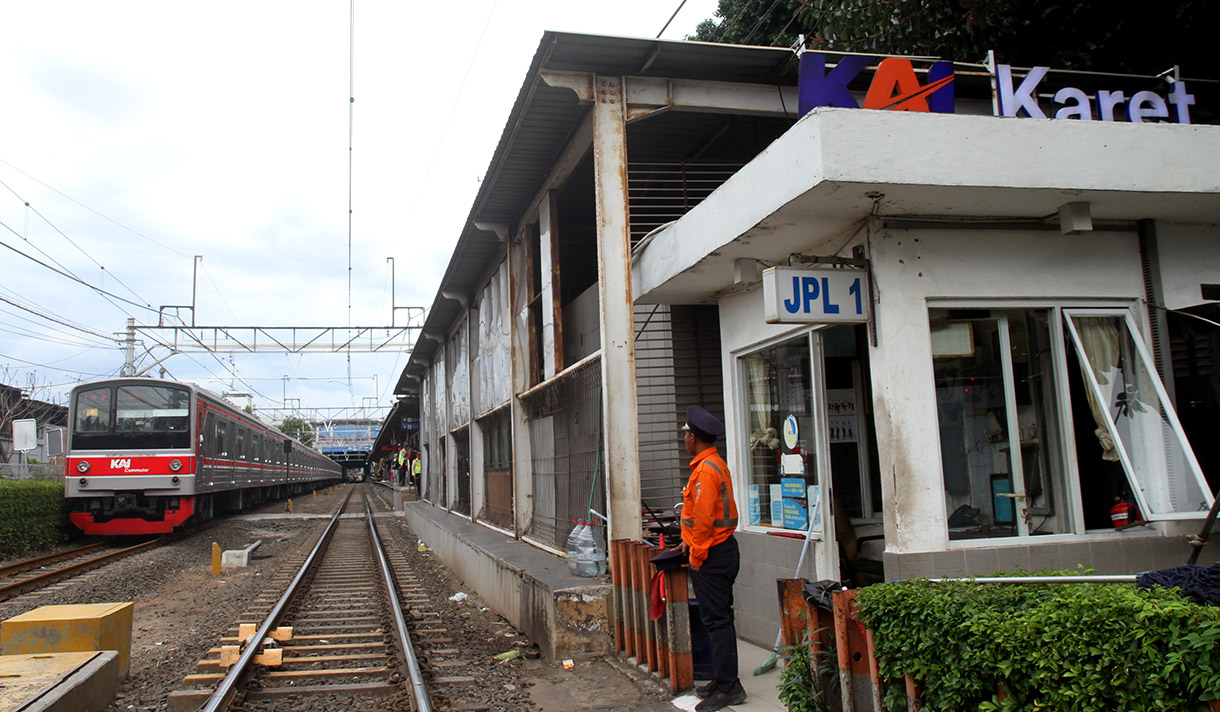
(1189,256)
(913,267)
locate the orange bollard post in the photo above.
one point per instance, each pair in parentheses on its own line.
(215,559)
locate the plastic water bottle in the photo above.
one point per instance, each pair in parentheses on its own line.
(584,557)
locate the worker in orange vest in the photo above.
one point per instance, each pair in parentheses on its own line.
(709,518)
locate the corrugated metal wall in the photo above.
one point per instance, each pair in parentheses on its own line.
(677,352)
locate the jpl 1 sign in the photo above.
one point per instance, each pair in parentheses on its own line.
(804,295)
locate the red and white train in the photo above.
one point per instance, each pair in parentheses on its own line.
(145,455)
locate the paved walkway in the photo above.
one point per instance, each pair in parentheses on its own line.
(762,691)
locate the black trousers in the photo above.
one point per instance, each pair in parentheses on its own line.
(713,584)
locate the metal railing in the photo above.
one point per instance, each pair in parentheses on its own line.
(659,193)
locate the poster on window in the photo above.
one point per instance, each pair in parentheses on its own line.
(755,505)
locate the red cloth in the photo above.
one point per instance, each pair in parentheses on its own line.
(656,597)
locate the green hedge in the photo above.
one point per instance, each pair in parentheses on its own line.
(1050,646)
(33,516)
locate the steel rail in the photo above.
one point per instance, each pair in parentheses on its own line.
(19,566)
(423,703)
(16,588)
(224,691)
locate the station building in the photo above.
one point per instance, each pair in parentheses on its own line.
(960,339)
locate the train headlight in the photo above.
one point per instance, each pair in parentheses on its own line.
(83,482)
(175,464)
(174,479)
(82,466)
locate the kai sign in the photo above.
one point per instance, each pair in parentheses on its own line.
(1076,104)
(895,86)
(803,295)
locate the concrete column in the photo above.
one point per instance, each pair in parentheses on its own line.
(519,355)
(548,288)
(621,426)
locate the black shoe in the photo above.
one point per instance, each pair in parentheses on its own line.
(720,699)
(705,691)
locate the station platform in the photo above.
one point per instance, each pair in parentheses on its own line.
(568,616)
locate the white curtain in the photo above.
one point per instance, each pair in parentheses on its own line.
(1100,342)
(763,434)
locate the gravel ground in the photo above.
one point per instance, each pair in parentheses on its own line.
(182,610)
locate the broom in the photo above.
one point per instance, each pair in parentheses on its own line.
(779,634)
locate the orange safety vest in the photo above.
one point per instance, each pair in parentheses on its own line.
(709,512)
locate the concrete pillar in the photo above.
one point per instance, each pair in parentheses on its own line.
(621,427)
(518,349)
(548,258)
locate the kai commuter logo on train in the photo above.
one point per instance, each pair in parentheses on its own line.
(815,295)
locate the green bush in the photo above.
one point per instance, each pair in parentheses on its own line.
(1050,646)
(33,516)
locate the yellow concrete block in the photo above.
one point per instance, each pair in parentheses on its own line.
(64,629)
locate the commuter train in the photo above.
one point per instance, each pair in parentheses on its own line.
(146,455)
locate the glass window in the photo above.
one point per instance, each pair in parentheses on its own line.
(1135,425)
(996,405)
(93,411)
(143,409)
(781,457)
(132,418)
(1006,420)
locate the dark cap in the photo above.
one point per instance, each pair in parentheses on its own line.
(669,560)
(698,417)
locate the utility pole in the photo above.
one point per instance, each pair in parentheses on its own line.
(393,302)
(194,285)
(129,349)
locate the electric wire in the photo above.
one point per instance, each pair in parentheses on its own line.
(759,24)
(55,368)
(724,26)
(436,147)
(671,19)
(351,113)
(57,321)
(108,219)
(72,277)
(72,242)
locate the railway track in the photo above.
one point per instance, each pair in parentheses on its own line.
(16,579)
(329,634)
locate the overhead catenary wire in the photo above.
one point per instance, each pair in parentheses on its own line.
(57,321)
(72,242)
(72,277)
(103,216)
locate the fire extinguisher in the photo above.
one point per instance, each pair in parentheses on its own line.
(1123,513)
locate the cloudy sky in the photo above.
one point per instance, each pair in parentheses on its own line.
(136,135)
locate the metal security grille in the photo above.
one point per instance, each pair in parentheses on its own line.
(564,420)
(662,192)
(677,357)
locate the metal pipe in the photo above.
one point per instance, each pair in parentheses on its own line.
(1120,578)
(423,703)
(229,683)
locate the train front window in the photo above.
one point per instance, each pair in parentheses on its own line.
(132,417)
(93,411)
(147,409)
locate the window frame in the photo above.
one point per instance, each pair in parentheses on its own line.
(1061,341)
(821,444)
(1167,405)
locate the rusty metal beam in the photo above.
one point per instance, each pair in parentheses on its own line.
(649,95)
(620,417)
